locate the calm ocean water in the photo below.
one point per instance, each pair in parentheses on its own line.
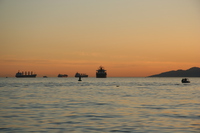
(135,105)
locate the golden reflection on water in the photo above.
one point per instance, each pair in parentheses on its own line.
(102,108)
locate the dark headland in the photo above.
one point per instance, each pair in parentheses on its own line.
(192,72)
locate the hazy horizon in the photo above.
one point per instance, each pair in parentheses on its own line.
(129,38)
(51,75)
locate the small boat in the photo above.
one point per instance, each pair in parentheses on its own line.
(25,74)
(185,80)
(44,76)
(80,75)
(62,75)
(101,73)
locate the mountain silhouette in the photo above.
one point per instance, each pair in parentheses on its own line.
(192,72)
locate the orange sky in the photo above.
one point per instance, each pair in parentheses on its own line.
(129,38)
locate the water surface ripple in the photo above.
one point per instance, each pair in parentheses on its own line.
(134,105)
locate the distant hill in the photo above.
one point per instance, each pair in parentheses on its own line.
(192,72)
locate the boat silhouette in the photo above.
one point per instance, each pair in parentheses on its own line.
(80,75)
(185,80)
(25,74)
(101,73)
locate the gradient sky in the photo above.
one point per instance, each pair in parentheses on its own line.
(130,38)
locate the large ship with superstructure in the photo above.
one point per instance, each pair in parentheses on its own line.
(25,74)
(101,73)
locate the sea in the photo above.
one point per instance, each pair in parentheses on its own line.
(99,105)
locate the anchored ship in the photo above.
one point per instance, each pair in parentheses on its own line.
(81,75)
(62,75)
(25,74)
(101,73)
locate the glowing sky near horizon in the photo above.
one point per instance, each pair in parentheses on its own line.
(130,38)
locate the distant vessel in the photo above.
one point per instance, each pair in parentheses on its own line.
(62,75)
(185,80)
(81,75)
(25,74)
(44,76)
(101,73)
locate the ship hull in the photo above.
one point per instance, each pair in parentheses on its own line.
(26,76)
(83,76)
(77,75)
(101,75)
(62,75)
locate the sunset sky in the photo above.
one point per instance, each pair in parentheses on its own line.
(130,38)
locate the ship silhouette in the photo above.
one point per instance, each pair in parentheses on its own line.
(101,73)
(81,75)
(25,74)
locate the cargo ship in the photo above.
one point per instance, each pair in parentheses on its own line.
(81,75)
(101,73)
(25,74)
(62,75)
